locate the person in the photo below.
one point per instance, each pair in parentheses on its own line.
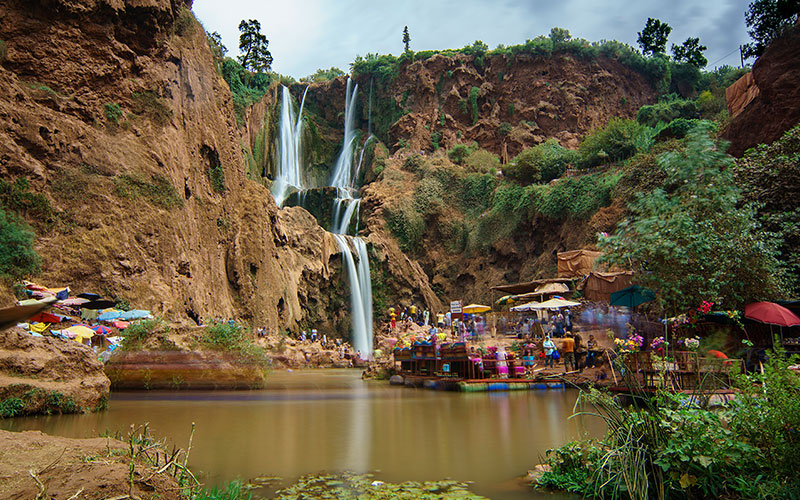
(549,348)
(569,319)
(591,345)
(413,312)
(393,317)
(568,347)
(580,350)
(440,320)
(303,335)
(426,317)
(558,324)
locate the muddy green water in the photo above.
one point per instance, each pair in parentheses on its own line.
(330,420)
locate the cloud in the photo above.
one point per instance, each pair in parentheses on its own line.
(309,34)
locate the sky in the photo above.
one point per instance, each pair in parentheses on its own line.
(305,35)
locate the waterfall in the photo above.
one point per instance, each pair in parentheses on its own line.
(290,141)
(345,206)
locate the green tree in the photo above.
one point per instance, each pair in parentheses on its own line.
(253,47)
(653,38)
(17,256)
(690,52)
(406,38)
(691,239)
(215,42)
(767,20)
(559,35)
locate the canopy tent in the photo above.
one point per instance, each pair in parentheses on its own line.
(547,304)
(599,286)
(576,263)
(475,308)
(632,296)
(529,286)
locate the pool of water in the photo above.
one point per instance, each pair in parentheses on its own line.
(307,422)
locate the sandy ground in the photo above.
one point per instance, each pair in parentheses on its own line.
(74,468)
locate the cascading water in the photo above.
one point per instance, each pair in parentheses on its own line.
(289,169)
(344,207)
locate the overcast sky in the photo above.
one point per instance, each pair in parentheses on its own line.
(305,35)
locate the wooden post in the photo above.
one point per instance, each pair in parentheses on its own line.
(610,364)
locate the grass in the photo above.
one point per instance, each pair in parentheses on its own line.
(113,112)
(158,191)
(140,331)
(23,399)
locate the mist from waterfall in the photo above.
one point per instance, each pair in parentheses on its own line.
(290,175)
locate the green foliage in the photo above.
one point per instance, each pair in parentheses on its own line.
(253,47)
(769,176)
(436,136)
(217,177)
(690,52)
(153,106)
(235,490)
(407,225)
(666,110)
(23,399)
(406,39)
(541,163)
(618,140)
(11,407)
(113,112)
(459,153)
(323,75)
(246,88)
(577,197)
(428,197)
(768,20)
(384,68)
(559,36)
(348,486)
(215,44)
(139,332)
(691,240)
(504,129)
(158,191)
(18,197)
(653,38)
(476,192)
(473,101)
(18,259)
(482,162)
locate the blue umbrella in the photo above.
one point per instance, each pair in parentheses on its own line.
(109,315)
(632,296)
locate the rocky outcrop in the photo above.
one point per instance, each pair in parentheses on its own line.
(115,112)
(776,107)
(48,375)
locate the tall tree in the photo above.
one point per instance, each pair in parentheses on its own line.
(253,47)
(406,38)
(767,20)
(690,52)
(653,38)
(691,239)
(215,42)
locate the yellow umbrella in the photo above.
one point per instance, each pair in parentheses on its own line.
(81,332)
(475,308)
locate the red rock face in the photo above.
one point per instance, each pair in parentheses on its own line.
(777,107)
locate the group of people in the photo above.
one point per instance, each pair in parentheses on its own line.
(416,315)
(576,356)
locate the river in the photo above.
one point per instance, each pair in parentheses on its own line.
(330,420)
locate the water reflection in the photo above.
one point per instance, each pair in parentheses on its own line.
(314,421)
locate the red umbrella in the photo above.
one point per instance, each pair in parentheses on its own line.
(771,314)
(102,330)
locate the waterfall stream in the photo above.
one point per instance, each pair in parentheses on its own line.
(290,175)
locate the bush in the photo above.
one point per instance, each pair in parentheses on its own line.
(459,153)
(482,162)
(541,163)
(18,259)
(665,111)
(246,88)
(504,129)
(476,192)
(618,140)
(113,112)
(139,332)
(428,197)
(17,197)
(406,224)
(414,163)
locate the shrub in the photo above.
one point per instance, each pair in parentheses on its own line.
(414,163)
(217,177)
(710,105)
(618,140)
(139,332)
(542,162)
(666,111)
(476,192)
(113,112)
(246,88)
(406,224)
(428,197)
(504,129)
(18,259)
(18,197)
(459,153)
(482,162)
(436,136)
